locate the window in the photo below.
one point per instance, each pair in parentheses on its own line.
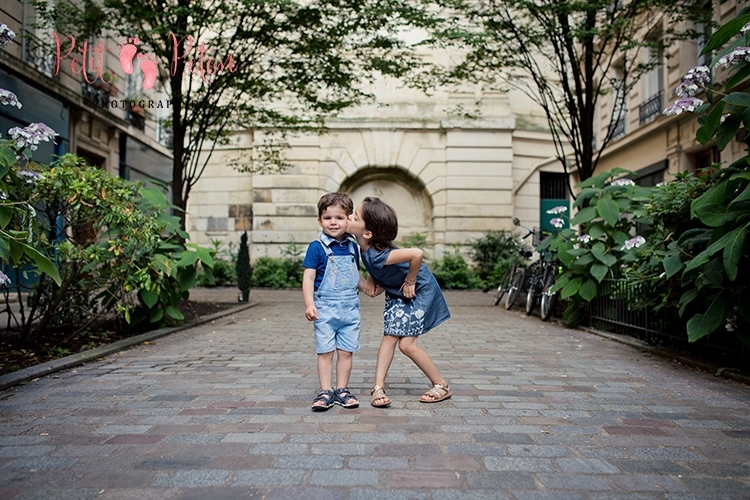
(619,110)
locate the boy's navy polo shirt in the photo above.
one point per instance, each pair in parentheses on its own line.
(315,258)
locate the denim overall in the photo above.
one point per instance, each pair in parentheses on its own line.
(337,301)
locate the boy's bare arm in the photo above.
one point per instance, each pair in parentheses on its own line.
(308,290)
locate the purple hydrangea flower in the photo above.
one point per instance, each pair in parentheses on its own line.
(6,35)
(557,222)
(694,80)
(623,182)
(30,176)
(745,29)
(633,243)
(584,238)
(4,280)
(557,210)
(32,135)
(738,55)
(684,104)
(9,98)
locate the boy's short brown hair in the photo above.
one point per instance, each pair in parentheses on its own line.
(335,200)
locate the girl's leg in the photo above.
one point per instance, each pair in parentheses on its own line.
(409,347)
(385,357)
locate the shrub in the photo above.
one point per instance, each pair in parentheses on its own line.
(243,269)
(492,254)
(453,272)
(279,272)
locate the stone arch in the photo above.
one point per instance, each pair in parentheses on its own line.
(399,188)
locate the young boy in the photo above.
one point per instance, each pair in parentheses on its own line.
(329,285)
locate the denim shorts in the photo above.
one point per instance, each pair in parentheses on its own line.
(337,326)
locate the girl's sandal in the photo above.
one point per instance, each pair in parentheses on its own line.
(436,394)
(377,393)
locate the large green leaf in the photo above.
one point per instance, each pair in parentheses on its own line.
(725,33)
(672,263)
(728,130)
(188,258)
(737,99)
(608,210)
(571,288)
(733,250)
(584,215)
(599,271)
(687,298)
(714,247)
(588,290)
(7,159)
(6,214)
(596,230)
(173,313)
(187,277)
(149,298)
(43,264)
(701,325)
(712,207)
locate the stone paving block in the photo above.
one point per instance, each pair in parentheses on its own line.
(524,450)
(521,464)
(502,480)
(424,479)
(390,494)
(269,477)
(40,463)
(191,478)
(343,477)
(448,494)
(587,466)
(71,494)
(217,493)
(310,462)
(663,484)
(25,451)
(546,495)
(573,482)
(378,463)
(116,479)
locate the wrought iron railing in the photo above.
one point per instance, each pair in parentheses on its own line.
(652,108)
(617,129)
(39,54)
(98,94)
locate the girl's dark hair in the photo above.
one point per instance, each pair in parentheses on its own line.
(380,219)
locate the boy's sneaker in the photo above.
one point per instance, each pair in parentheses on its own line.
(345,399)
(328,399)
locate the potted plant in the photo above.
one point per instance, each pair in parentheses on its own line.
(244,270)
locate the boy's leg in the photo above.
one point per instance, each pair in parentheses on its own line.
(325,373)
(343,368)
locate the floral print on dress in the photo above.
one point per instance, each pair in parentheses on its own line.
(401,319)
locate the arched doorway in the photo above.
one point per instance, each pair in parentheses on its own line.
(401,190)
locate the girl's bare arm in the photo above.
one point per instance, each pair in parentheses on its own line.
(414,257)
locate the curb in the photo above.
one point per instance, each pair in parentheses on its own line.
(56,365)
(717,370)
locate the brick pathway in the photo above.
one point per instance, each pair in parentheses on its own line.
(221,411)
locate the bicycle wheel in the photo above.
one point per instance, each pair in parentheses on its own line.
(515,288)
(531,296)
(504,285)
(548,301)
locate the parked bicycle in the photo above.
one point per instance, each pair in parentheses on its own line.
(515,276)
(542,274)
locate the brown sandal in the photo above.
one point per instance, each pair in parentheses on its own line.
(377,393)
(436,394)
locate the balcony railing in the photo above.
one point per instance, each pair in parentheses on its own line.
(38,54)
(652,108)
(617,129)
(99,94)
(137,117)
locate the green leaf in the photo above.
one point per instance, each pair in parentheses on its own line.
(672,263)
(583,216)
(740,75)
(728,130)
(173,313)
(187,277)
(584,260)
(712,207)
(7,159)
(714,247)
(743,196)
(701,325)
(6,214)
(149,298)
(713,120)
(588,290)
(596,230)
(733,250)
(560,282)
(571,288)
(156,315)
(43,264)
(737,99)
(205,256)
(608,210)
(599,271)
(188,258)
(599,252)
(687,298)
(725,33)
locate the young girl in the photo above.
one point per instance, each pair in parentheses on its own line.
(414,302)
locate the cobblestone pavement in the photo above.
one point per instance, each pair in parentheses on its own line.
(221,411)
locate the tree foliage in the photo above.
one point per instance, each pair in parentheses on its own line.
(292,64)
(565,55)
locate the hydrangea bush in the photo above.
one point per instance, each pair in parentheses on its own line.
(609,207)
(712,260)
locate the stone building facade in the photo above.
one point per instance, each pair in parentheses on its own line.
(449,179)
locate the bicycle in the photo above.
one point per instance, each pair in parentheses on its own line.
(515,276)
(542,279)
